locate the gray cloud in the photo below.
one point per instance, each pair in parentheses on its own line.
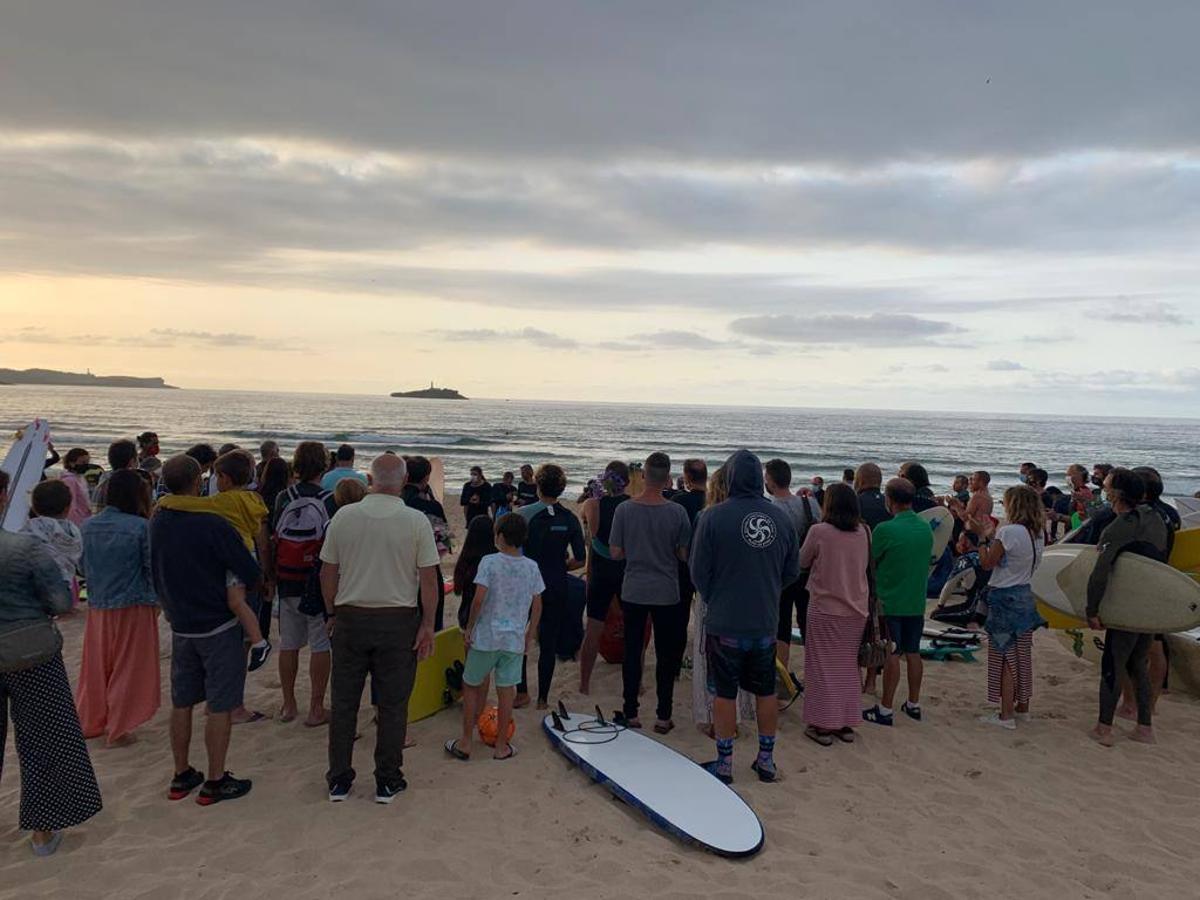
(850,81)
(656,340)
(154,338)
(875,329)
(1145,313)
(1004,365)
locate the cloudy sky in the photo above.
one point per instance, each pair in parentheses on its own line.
(868,204)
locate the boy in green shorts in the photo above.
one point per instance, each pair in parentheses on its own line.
(503,621)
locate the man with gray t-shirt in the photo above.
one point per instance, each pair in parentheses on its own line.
(652,534)
(804,513)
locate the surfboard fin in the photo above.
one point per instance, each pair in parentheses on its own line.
(562,710)
(600,717)
(558,724)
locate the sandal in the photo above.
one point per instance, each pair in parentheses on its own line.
(845,735)
(819,737)
(664,727)
(512,751)
(619,718)
(452,749)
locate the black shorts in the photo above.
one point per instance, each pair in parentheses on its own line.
(793,598)
(746,663)
(905,632)
(604,583)
(211,669)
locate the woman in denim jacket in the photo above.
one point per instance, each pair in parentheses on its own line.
(119,673)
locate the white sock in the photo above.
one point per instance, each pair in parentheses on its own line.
(885,710)
(912,705)
(260,645)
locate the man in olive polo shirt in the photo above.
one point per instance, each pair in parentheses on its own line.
(902,548)
(379,581)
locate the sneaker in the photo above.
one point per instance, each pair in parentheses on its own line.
(994,719)
(913,712)
(184,783)
(713,769)
(225,788)
(765,773)
(877,717)
(259,654)
(339,791)
(50,847)
(386,793)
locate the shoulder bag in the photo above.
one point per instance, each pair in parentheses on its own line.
(874,649)
(28,643)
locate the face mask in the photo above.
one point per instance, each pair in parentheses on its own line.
(80,468)
(1024,479)
(1098,482)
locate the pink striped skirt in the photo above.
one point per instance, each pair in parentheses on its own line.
(1019,659)
(832,689)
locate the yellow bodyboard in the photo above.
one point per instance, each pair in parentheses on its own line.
(433,691)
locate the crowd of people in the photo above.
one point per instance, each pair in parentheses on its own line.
(252,557)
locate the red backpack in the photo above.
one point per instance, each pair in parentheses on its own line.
(299,534)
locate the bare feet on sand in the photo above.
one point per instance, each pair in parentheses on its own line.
(521,701)
(123,740)
(287,713)
(316,718)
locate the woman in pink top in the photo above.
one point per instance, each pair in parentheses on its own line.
(74,464)
(836,554)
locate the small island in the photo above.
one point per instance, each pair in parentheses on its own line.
(431,393)
(79,379)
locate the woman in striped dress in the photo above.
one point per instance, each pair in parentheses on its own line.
(58,785)
(836,554)
(1012,555)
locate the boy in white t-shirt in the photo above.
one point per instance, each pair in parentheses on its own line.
(501,628)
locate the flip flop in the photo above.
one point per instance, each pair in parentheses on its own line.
(512,751)
(452,749)
(818,737)
(845,735)
(255,716)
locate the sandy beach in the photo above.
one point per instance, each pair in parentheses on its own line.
(948,808)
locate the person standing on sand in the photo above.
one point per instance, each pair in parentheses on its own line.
(344,468)
(527,487)
(476,495)
(118,674)
(379,581)
(308,465)
(901,549)
(871,503)
(1012,557)
(703,696)
(553,531)
(652,534)
(505,612)
(58,784)
(976,514)
(121,455)
(418,496)
(837,554)
(75,462)
(267,451)
(1138,529)
(744,552)
(190,554)
(503,493)
(804,513)
(604,573)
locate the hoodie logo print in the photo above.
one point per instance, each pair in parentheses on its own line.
(758,530)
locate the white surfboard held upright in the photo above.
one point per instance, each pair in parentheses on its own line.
(24,463)
(672,791)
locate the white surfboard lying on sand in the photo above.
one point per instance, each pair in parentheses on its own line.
(941,520)
(670,789)
(24,464)
(1143,595)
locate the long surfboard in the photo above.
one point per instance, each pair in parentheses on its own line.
(671,790)
(24,464)
(941,520)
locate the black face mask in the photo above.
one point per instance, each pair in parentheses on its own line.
(1098,482)
(81,468)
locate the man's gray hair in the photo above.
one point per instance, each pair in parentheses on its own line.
(388,472)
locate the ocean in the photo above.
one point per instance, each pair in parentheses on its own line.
(500,435)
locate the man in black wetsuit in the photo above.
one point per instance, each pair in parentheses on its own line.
(1138,529)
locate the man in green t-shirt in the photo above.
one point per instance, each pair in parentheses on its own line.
(902,548)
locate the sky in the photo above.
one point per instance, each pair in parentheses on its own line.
(929,205)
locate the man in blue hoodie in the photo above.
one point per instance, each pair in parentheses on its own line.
(745,551)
